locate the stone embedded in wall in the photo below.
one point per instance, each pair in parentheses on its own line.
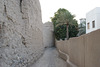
(22,40)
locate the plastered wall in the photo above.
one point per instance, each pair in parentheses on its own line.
(21,33)
(83,51)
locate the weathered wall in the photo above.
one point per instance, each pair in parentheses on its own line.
(48,36)
(83,51)
(21,40)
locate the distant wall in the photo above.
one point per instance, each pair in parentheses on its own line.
(83,51)
(48,36)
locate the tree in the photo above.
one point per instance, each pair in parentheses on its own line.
(60,32)
(63,17)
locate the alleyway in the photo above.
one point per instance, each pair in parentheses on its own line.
(50,59)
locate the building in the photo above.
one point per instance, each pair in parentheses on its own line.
(82,22)
(82,27)
(93,20)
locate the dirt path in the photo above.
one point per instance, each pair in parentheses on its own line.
(50,59)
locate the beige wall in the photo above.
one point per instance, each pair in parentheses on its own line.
(92,49)
(76,50)
(83,51)
(60,46)
(73,49)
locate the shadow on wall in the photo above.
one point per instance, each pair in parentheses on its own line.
(83,51)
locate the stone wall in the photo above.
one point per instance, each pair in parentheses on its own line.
(21,40)
(48,35)
(83,51)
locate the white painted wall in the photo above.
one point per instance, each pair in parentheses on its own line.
(93,15)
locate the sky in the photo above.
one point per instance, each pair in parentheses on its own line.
(77,7)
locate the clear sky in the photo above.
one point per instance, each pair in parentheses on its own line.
(77,7)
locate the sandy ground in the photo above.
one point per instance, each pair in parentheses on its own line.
(50,59)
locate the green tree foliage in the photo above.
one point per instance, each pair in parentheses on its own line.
(64,21)
(60,31)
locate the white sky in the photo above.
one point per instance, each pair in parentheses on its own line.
(77,7)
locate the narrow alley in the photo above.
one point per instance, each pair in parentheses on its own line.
(50,59)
